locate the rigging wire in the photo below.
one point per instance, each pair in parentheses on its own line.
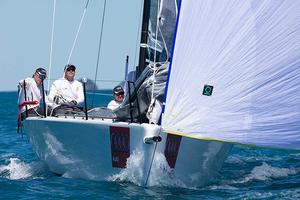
(51,44)
(98,80)
(158,28)
(156,31)
(176,7)
(153,154)
(165,45)
(99,50)
(78,30)
(153,85)
(100,94)
(155,51)
(138,35)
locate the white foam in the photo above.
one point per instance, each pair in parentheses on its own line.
(296,154)
(222,187)
(16,169)
(6,155)
(136,172)
(242,159)
(234,160)
(162,174)
(133,172)
(267,172)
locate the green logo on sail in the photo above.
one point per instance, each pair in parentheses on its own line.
(207,90)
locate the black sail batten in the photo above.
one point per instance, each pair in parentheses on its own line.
(144,38)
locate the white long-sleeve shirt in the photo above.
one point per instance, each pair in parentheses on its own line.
(113,104)
(70,90)
(33,93)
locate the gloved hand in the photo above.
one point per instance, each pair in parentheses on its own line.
(57,99)
(73,103)
(21,84)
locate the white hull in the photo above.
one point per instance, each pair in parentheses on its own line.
(98,150)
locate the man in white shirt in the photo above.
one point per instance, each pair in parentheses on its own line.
(66,91)
(118,94)
(31,94)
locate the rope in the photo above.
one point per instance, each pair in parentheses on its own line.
(51,44)
(78,30)
(158,28)
(99,50)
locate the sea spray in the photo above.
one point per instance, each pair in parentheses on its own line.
(133,171)
(16,169)
(161,174)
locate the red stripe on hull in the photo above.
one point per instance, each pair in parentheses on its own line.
(172,149)
(120,145)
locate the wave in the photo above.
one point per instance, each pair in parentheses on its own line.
(15,169)
(267,172)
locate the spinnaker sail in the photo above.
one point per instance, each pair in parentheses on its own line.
(235,72)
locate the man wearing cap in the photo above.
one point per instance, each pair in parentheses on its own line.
(30,93)
(66,91)
(118,94)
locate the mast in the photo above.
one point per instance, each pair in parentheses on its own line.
(144,38)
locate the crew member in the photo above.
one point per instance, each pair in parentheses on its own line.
(31,94)
(118,94)
(66,91)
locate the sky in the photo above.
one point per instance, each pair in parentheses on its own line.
(25,39)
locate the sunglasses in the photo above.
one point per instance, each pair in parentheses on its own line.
(70,69)
(120,94)
(42,77)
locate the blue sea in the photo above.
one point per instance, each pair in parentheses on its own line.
(248,173)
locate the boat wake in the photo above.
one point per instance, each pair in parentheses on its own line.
(15,169)
(161,174)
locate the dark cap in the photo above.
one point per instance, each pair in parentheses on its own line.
(118,90)
(69,66)
(42,73)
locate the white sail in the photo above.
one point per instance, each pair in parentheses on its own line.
(249,51)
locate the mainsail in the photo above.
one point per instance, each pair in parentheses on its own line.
(235,72)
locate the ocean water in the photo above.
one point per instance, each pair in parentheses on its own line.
(248,173)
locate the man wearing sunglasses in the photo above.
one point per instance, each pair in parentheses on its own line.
(67,91)
(30,94)
(118,94)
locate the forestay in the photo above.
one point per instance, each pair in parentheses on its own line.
(248,54)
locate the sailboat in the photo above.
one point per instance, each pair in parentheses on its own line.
(233,77)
